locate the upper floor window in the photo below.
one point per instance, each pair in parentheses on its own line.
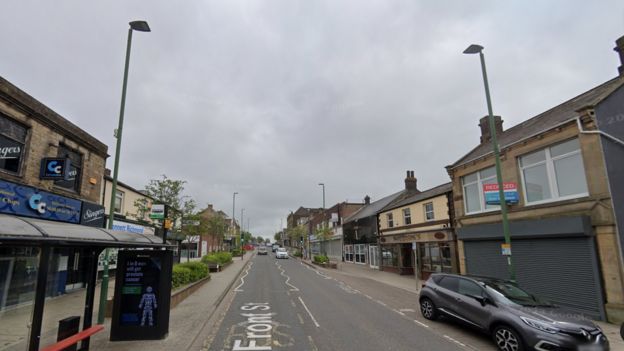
(75,170)
(119,197)
(12,140)
(554,173)
(407,216)
(474,200)
(429,216)
(389,220)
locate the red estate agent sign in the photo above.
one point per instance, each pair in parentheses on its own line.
(490,192)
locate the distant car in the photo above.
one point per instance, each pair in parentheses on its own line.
(281,253)
(516,319)
(262,250)
(275,247)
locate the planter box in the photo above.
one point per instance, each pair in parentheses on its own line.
(327,265)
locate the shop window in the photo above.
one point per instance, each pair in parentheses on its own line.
(554,173)
(348,253)
(119,197)
(389,220)
(407,216)
(474,200)
(429,215)
(12,140)
(390,256)
(436,257)
(75,170)
(360,253)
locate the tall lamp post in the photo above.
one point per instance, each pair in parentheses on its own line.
(233,229)
(323,185)
(478,49)
(242,225)
(140,26)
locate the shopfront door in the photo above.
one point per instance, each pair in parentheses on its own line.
(6,268)
(373,256)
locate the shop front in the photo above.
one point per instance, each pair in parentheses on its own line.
(422,253)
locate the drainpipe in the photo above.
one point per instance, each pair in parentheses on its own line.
(606,135)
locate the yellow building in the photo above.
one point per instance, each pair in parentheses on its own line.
(416,234)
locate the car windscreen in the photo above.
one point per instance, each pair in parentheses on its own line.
(508,292)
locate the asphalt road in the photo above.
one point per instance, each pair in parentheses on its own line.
(286,305)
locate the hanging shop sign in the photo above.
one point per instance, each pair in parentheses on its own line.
(55,168)
(142,295)
(158,211)
(93,215)
(491,194)
(27,201)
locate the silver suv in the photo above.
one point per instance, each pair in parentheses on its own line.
(516,319)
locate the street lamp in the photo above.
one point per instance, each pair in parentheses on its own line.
(233,211)
(323,185)
(478,49)
(140,26)
(242,226)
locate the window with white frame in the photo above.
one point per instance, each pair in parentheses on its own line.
(348,253)
(429,216)
(554,173)
(360,253)
(407,216)
(119,195)
(389,220)
(472,184)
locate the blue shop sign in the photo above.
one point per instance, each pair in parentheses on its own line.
(55,168)
(27,201)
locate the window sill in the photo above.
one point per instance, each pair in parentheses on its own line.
(559,199)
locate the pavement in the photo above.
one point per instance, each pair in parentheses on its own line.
(189,319)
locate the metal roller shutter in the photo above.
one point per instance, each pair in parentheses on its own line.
(562,270)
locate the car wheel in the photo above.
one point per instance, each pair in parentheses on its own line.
(428,309)
(507,339)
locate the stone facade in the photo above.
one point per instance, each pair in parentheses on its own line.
(46,132)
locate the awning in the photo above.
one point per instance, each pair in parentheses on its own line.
(32,231)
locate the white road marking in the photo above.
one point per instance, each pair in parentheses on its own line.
(399,312)
(455,341)
(381,303)
(237,289)
(421,324)
(407,310)
(293,288)
(309,313)
(369,297)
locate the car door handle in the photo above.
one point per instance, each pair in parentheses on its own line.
(458,299)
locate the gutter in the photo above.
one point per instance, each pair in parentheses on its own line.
(600,132)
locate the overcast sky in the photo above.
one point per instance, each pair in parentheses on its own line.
(269,98)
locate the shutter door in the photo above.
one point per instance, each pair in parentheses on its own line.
(561,270)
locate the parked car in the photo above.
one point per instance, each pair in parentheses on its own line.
(281,253)
(516,319)
(275,247)
(262,250)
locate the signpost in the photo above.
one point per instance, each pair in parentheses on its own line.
(55,168)
(158,211)
(142,295)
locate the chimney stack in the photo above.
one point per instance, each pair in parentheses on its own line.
(410,181)
(485,128)
(367,200)
(619,47)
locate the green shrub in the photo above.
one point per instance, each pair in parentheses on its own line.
(217,257)
(236,252)
(298,253)
(198,270)
(321,258)
(181,276)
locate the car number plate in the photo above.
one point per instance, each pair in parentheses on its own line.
(591,347)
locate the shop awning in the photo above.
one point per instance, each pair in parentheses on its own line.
(32,231)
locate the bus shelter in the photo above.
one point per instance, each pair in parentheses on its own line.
(31,252)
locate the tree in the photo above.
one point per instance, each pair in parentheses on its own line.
(277,237)
(217,227)
(169,192)
(296,234)
(324,233)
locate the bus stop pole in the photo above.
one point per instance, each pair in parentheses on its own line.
(40,291)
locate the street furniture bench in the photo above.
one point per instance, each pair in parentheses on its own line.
(74,339)
(214,267)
